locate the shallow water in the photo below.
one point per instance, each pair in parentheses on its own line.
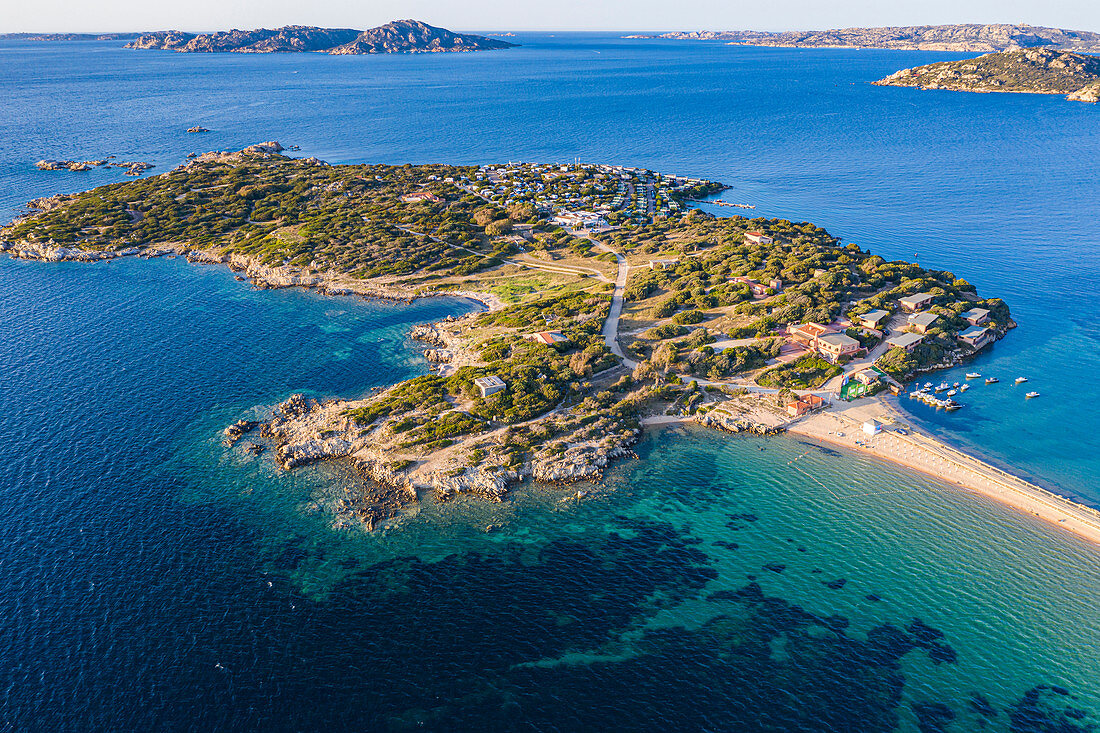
(151,578)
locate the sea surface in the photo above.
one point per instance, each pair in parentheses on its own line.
(152,579)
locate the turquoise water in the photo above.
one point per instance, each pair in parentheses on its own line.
(151,579)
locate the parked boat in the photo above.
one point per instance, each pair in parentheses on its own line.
(1032,394)
(1021,380)
(973,375)
(943,386)
(992,380)
(952,393)
(964,387)
(952,405)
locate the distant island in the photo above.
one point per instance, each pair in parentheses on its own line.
(968,37)
(400,36)
(1035,71)
(68,36)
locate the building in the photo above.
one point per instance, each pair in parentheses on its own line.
(579,220)
(421,196)
(873,319)
(489,385)
(758,238)
(872,427)
(976,316)
(916,301)
(923,321)
(907,341)
(547,337)
(804,404)
(807,334)
(834,346)
(760,290)
(662,264)
(866,377)
(976,336)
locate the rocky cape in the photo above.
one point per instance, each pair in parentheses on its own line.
(400,36)
(1034,71)
(973,37)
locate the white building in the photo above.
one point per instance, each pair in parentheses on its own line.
(490,385)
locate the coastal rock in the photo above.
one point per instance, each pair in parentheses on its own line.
(269,147)
(731,423)
(1090,93)
(234,432)
(197,128)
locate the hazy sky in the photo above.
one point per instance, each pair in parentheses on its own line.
(129,15)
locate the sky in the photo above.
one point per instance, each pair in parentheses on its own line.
(518,15)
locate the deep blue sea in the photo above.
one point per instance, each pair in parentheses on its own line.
(152,580)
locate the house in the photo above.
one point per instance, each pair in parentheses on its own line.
(421,196)
(758,238)
(759,290)
(807,333)
(489,385)
(833,346)
(923,321)
(872,427)
(976,316)
(872,319)
(915,302)
(907,341)
(662,264)
(547,337)
(976,336)
(579,220)
(804,404)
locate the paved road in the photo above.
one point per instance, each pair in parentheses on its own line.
(611,325)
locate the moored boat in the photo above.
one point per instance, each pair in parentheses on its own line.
(973,375)
(1021,380)
(1032,394)
(992,380)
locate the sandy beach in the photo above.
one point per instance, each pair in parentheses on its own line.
(843,425)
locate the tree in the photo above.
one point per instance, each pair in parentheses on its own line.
(498,227)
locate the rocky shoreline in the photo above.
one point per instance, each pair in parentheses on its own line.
(261,276)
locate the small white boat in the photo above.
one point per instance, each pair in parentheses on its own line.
(964,387)
(992,380)
(1032,394)
(952,392)
(952,405)
(973,375)
(1021,380)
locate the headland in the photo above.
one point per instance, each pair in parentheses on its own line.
(611,304)
(1034,71)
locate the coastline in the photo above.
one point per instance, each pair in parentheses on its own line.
(259,275)
(926,454)
(839,427)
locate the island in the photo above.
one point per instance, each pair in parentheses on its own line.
(971,37)
(1034,71)
(609,303)
(400,36)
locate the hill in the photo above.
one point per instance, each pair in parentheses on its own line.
(969,37)
(400,36)
(1036,71)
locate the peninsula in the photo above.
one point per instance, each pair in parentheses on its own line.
(400,36)
(1035,71)
(973,37)
(610,304)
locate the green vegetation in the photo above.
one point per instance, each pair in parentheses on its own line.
(805,372)
(1036,70)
